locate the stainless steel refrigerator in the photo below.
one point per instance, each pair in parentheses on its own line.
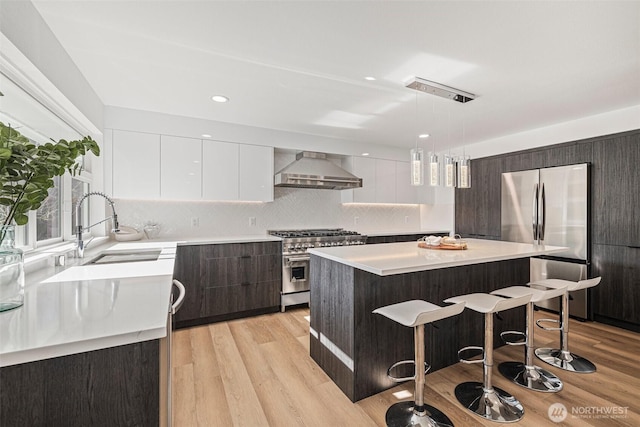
(550,206)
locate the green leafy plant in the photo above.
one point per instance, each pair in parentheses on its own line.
(27,170)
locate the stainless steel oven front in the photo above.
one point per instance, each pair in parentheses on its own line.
(296,259)
(295,273)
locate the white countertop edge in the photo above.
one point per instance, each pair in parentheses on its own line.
(445,264)
(66,349)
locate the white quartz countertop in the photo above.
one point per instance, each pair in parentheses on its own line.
(75,309)
(397,258)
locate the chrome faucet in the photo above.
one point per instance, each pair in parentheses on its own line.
(79,228)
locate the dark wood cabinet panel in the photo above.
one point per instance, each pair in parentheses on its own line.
(373,240)
(118,386)
(241,298)
(187,270)
(616,191)
(228,280)
(617,297)
(614,207)
(477,209)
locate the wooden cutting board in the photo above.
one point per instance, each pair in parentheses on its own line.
(457,247)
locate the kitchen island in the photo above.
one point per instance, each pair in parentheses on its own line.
(355,347)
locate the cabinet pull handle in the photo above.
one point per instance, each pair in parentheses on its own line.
(245,256)
(634,247)
(245,283)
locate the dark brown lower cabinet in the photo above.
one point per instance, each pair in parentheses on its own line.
(616,300)
(228,280)
(372,240)
(117,386)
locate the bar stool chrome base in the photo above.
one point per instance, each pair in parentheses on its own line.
(532,377)
(403,414)
(494,405)
(565,360)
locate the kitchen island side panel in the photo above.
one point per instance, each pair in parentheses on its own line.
(379,342)
(332,310)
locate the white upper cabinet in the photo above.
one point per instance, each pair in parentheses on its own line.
(220,168)
(149,166)
(181,168)
(136,165)
(255,177)
(383,181)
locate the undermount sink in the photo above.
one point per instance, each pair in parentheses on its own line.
(128,256)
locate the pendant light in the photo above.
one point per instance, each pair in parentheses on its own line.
(449,161)
(464,165)
(464,172)
(434,164)
(449,171)
(417,158)
(417,166)
(434,168)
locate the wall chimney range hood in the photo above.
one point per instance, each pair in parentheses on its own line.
(314,170)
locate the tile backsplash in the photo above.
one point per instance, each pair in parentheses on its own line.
(292,208)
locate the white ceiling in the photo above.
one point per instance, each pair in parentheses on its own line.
(300,65)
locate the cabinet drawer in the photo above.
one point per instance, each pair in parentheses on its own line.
(228,250)
(222,272)
(233,299)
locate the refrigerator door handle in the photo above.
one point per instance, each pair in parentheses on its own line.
(534,219)
(542,217)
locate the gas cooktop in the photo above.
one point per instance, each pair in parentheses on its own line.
(320,232)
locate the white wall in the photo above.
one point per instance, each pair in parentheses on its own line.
(587,127)
(291,209)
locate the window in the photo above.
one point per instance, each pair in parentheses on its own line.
(49,215)
(25,111)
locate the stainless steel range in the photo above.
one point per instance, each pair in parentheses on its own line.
(295,259)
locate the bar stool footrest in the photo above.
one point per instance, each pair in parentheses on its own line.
(405,362)
(471,348)
(547,328)
(520,340)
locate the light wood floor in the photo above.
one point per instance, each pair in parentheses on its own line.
(258,372)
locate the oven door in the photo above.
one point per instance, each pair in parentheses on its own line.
(295,273)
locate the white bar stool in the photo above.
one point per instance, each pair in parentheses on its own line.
(415,314)
(526,374)
(562,357)
(491,403)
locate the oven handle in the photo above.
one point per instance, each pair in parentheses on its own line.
(291,259)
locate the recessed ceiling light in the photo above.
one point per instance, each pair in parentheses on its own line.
(206,135)
(220,98)
(365,154)
(424,135)
(370,78)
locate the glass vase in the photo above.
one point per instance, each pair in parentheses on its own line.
(11,270)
